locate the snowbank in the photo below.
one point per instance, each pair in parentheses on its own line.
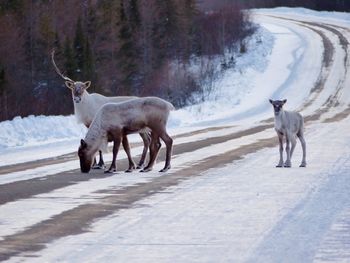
(35,130)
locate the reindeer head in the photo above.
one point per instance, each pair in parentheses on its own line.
(84,157)
(277,105)
(77,87)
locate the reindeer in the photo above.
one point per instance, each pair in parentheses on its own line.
(116,120)
(289,125)
(86,105)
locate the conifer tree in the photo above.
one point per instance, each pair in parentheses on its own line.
(78,49)
(127,53)
(89,66)
(69,64)
(2,79)
(165,31)
(189,43)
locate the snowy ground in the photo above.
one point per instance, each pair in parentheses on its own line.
(221,209)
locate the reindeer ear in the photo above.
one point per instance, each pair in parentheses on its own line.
(83,143)
(284,101)
(271,101)
(69,84)
(87,84)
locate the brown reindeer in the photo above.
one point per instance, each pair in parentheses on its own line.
(116,120)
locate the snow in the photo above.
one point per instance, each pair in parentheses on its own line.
(246,211)
(38,130)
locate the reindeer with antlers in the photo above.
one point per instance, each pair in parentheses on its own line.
(86,105)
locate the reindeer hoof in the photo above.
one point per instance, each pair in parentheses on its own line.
(302,165)
(164,169)
(140,166)
(98,167)
(131,168)
(113,171)
(145,170)
(279,166)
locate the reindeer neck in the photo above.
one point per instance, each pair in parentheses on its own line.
(279,120)
(83,111)
(96,137)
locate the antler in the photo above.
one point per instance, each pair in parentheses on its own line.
(56,68)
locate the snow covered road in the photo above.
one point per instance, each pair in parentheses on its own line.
(223,200)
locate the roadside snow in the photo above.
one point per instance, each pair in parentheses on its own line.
(38,130)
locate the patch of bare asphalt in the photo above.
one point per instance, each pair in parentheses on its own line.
(339,116)
(34,164)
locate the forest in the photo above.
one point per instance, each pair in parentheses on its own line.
(125,47)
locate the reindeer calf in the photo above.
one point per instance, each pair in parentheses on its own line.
(289,125)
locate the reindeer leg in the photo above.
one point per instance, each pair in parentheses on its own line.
(94,164)
(280,140)
(169,145)
(113,167)
(293,142)
(146,138)
(303,145)
(288,162)
(100,164)
(126,147)
(154,150)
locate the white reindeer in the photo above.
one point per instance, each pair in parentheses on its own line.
(289,125)
(116,120)
(86,105)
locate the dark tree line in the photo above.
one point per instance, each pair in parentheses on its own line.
(125,47)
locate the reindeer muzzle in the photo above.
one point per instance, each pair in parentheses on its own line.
(77,99)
